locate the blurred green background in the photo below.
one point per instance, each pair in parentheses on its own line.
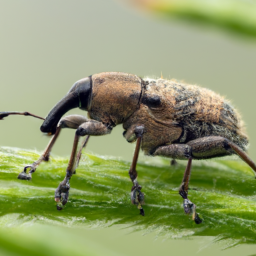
(47,45)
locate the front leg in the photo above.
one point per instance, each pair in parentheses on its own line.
(182,151)
(72,122)
(91,127)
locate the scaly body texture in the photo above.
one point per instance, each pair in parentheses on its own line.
(173,112)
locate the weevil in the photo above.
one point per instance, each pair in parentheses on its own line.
(164,117)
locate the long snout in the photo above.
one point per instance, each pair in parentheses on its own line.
(78,96)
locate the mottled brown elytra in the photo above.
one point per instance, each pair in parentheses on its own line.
(167,118)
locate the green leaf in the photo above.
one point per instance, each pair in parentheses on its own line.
(236,16)
(223,191)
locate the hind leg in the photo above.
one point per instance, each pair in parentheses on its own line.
(215,146)
(202,148)
(173,162)
(189,207)
(182,151)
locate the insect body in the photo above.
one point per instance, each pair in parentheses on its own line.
(166,118)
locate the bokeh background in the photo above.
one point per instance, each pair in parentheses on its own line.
(47,45)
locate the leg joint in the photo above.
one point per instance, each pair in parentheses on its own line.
(133,175)
(226,144)
(80,131)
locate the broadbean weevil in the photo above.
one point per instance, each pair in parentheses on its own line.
(166,118)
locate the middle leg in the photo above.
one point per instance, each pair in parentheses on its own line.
(137,197)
